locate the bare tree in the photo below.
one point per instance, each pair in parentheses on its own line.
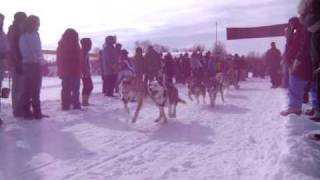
(220,49)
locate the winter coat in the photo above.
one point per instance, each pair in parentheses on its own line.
(15,57)
(139,65)
(186,66)
(109,60)
(30,48)
(85,64)
(153,63)
(125,70)
(68,60)
(195,63)
(273,58)
(302,66)
(169,68)
(4,46)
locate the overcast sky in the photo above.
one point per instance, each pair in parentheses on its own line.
(175,23)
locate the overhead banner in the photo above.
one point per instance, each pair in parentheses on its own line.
(256,32)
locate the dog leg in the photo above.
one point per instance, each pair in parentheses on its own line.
(197,97)
(127,109)
(134,119)
(160,116)
(190,97)
(163,114)
(214,99)
(222,96)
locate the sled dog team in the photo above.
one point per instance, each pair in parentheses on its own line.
(165,94)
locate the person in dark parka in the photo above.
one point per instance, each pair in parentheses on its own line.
(273,58)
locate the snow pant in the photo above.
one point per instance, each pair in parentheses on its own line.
(110,81)
(87,86)
(296,92)
(17,90)
(32,77)
(70,92)
(314,95)
(275,77)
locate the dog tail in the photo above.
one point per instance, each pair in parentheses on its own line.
(182,101)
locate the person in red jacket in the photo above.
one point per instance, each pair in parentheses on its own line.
(87,85)
(69,71)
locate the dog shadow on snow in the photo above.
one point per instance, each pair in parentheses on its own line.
(226,109)
(234,96)
(179,132)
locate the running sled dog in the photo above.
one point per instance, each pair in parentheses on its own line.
(133,89)
(215,86)
(196,89)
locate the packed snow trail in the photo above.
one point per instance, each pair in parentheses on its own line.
(245,138)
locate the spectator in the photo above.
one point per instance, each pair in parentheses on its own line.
(15,60)
(32,60)
(109,60)
(126,68)
(139,63)
(153,64)
(87,85)
(299,61)
(169,68)
(69,70)
(273,58)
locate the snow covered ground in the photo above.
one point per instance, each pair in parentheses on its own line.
(243,139)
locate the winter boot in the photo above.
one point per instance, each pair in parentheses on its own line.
(291,111)
(85,100)
(315,117)
(310,112)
